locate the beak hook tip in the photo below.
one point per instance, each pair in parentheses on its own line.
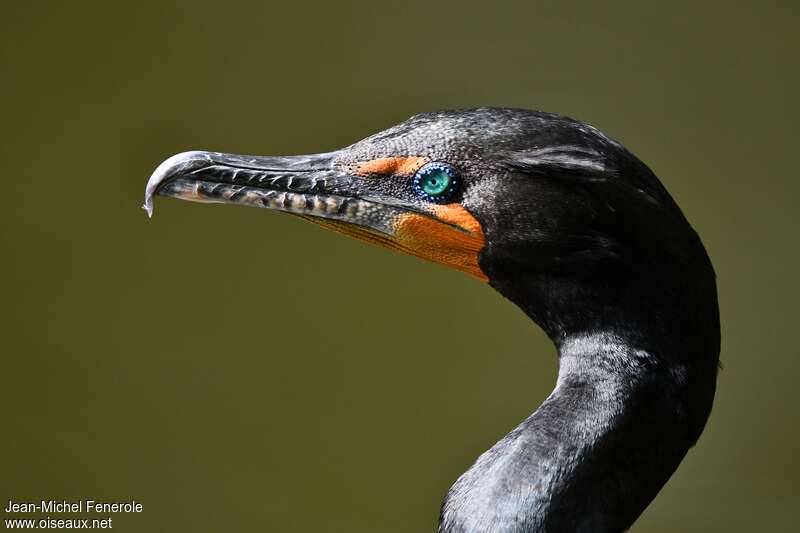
(148,207)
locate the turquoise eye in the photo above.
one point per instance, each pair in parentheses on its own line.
(436,182)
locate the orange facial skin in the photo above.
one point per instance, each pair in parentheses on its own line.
(443,242)
(451,236)
(388,166)
(425,238)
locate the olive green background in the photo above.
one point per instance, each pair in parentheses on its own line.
(238,370)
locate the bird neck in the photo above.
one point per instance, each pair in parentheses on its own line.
(627,406)
(590,458)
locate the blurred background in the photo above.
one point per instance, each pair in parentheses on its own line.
(189,361)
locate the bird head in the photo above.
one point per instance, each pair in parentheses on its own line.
(500,194)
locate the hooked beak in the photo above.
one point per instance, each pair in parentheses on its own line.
(306,185)
(312,187)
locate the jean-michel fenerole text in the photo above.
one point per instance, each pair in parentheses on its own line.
(77,506)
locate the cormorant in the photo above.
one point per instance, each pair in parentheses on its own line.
(569,225)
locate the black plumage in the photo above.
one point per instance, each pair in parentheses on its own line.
(578,233)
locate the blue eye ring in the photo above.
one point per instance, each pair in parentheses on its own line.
(436,182)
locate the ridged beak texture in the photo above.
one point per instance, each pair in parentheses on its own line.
(315,188)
